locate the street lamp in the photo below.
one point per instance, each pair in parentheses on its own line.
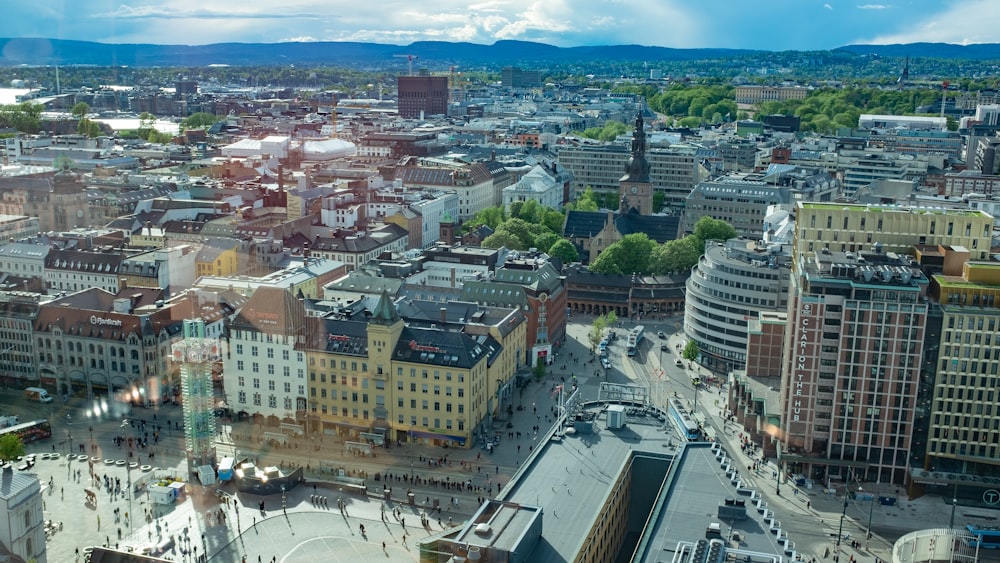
(128,470)
(871,510)
(840,532)
(69,432)
(954,503)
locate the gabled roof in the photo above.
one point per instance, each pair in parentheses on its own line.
(271,310)
(584,224)
(661,228)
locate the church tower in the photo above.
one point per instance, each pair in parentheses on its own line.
(636,190)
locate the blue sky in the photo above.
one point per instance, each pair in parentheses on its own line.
(751,24)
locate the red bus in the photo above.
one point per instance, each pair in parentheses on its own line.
(30,431)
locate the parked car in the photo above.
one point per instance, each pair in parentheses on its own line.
(678,362)
(662,335)
(606,362)
(664,348)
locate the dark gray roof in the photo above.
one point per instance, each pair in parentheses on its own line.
(584,223)
(444,348)
(83,261)
(345,337)
(661,228)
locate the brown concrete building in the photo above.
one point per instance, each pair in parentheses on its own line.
(421,96)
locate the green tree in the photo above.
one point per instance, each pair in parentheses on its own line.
(147,121)
(627,256)
(25,117)
(80,110)
(198,120)
(600,323)
(88,127)
(521,229)
(690,351)
(552,220)
(707,229)
(491,217)
(565,251)
(676,256)
(586,202)
(505,240)
(545,241)
(11,447)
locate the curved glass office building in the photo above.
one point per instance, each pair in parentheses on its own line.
(731,283)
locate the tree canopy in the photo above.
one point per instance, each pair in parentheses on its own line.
(609,132)
(636,253)
(25,117)
(11,447)
(198,120)
(628,256)
(565,251)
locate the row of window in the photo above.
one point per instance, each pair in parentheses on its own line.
(272,401)
(270,368)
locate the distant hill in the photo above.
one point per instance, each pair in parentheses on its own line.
(435,54)
(977,52)
(40,51)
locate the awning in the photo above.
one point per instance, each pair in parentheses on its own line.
(434,436)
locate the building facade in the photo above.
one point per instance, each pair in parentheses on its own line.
(857,318)
(732,284)
(421,96)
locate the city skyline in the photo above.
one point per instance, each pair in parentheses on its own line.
(757,24)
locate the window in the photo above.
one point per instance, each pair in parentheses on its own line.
(284,355)
(272,402)
(288,387)
(256,399)
(239,365)
(239,349)
(256,383)
(242,397)
(270,352)
(270,386)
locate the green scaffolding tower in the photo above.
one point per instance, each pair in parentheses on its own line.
(196,355)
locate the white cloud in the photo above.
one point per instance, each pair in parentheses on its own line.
(872,6)
(827,6)
(950,25)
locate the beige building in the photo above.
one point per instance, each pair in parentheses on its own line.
(382,379)
(753,95)
(963,434)
(851,228)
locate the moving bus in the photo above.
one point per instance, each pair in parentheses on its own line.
(684,421)
(634,340)
(30,431)
(984,537)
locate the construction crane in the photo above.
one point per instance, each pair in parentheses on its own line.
(409,59)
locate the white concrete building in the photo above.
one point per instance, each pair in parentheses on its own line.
(265,374)
(539,185)
(22,530)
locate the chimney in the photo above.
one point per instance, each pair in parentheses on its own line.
(444,314)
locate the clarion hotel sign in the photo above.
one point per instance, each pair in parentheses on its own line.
(800,360)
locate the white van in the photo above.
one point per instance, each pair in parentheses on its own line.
(37,394)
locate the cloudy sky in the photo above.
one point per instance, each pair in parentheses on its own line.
(752,24)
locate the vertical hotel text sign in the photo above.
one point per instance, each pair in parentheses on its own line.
(800,362)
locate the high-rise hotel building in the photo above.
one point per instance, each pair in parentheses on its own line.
(857,326)
(963,433)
